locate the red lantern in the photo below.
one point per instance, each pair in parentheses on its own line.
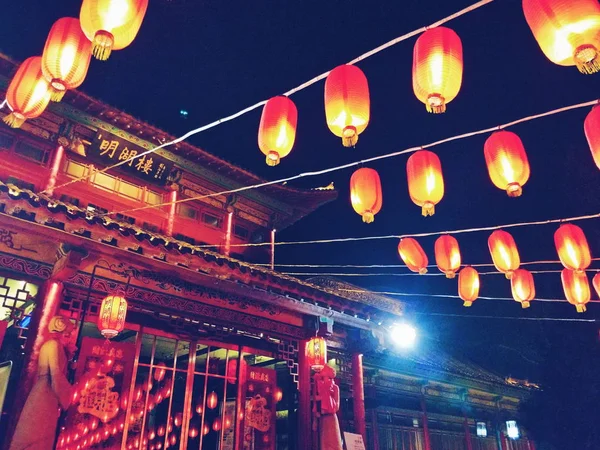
(592,133)
(425,180)
(447,255)
(316,353)
(111,25)
(437,68)
(504,252)
(277,129)
(507,162)
(66,56)
(160,371)
(568,32)
(347,103)
(28,93)
(278,394)
(365,193)
(212,400)
(522,287)
(576,287)
(193,433)
(413,255)
(572,247)
(596,283)
(468,285)
(205,429)
(216,426)
(111,318)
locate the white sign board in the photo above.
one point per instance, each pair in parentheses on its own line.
(354,441)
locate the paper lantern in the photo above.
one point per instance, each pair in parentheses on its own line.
(316,353)
(205,429)
(447,255)
(216,426)
(193,433)
(413,255)
(596,283)
(212,400)
(437,68)
(507,162)
(277,129)
(111,317)
(567,31)
(505,254)
(110,24)
(278,394)
(576,287)
(522,287)
(572,247)
(28,93)
(425,180)
(365,193)
(66,56)
(592,133)
(468,285)
(347,104)
(160,371)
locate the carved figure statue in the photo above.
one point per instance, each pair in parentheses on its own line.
(36,428)
(327,404)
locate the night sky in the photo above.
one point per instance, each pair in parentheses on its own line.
(213,58)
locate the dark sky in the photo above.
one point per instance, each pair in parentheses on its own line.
(214,57)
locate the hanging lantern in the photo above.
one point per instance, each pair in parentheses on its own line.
(316,353)
(66,56)
(193,433)
(160,371)
(568,32)
(447,255)
(278,394)
(425,180)
(596,283)
(592,133)
(572,247)
(216,426)
(111,25)
(504,252)
(277,129)
(347,103)
(507,162)
(576,287)
(413,255)
(205,429)
(522,287)
(468,285)
(28,93)
(437,68)
(212,400)
(111,317)
(365,193)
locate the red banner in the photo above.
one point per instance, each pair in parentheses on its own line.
(3,325)
(260,410)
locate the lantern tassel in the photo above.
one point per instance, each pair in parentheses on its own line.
(368,217)
(467,304)
(436,104)
(349,136)
(514,190)
(14,120)
(428,209)
(586,59)
(102,45)
(57,94)
(450,275)
(422,270)
(273,158)
(508,274)
(581,308)
(525,305)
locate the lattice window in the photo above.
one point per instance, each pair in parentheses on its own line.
(17,303)
(287,350)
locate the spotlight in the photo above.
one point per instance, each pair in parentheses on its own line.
(403,335)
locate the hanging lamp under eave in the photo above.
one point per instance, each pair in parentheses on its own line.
(522,287)
(505,254)
(591,127)
(576,287)
(447,255)
(507,162)
(365,193)
(112,315)
(567,31)
(468,285)
(277,129)
(413,255)
(316,353)
(425,180)
(572,247)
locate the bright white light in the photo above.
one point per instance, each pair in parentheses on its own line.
(512,430)
(481,429)
(403,335)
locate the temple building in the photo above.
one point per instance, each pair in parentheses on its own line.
(185,339)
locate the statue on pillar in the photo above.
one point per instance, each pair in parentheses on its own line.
(326,406)
(36,428)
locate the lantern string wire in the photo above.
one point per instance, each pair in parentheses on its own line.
(409,274)
(552,319)
(292,91)
(348,165)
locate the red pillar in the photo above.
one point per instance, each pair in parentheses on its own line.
(426,437)
(503,441)
(358,396)
(305,434)
(58,155)
(467,431)
(374,429)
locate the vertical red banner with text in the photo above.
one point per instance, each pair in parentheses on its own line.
(260,409)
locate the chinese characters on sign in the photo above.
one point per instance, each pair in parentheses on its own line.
(108,149)
(260,410)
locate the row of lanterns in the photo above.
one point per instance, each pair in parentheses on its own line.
(567,32)
(103,26)
(571,245)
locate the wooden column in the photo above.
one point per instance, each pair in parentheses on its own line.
(358,395)
(305,433)
(426,437)
(374,430)
(468,442)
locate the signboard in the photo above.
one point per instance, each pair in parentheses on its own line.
(260,410)
(354,441)
(108,149)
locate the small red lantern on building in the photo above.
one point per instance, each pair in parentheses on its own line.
(447,255)
(504,252)
(365,193)
(592,133)
(28,93)
(66,56)
(205,429)
(425,180)
(111,25)
(347,103)
(216,426)
(111,317)
(316,353)
(468,285)
(437,68)
(522,287)
(212,400)
(566,31)
(277,129)
(576,287)
(507,162)
(572,247)
(413,255)
(160,371)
